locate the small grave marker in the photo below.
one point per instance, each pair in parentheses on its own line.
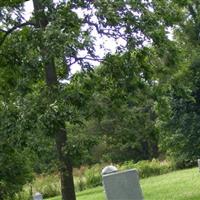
(37,196)
(122,185)
(198,161)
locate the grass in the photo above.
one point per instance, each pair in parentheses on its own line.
(178,185)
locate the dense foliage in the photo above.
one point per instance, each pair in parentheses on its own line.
(141,102)
(180,127)
(15,158)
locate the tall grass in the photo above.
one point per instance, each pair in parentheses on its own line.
(89,177)
(149,168)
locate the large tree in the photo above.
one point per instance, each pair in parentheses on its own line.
(181,126)
(44,49)
(125,95)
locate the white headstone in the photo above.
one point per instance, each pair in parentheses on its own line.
(122,185)
(37,196)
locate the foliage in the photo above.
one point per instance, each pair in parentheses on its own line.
(180,125)
(15,158)
(182,140)
(14,167)
(93,176)
(47,185)
(149,168)
(38,53)
(125,95)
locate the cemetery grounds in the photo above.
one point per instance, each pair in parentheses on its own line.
(177,185)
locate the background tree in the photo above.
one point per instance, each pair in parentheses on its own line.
(124,96)
(16,159)
(181,129)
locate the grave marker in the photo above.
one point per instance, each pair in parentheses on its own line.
(198,161)
(122,185)
(37,196)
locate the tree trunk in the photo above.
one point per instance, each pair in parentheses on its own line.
(65,165)
(67,183)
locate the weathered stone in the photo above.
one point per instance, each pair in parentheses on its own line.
(122,185)
(198,161)
(37,196)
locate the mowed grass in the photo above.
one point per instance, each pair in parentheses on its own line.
(178,185)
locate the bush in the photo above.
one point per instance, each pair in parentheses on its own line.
(182,162)
(93,176)
(148,168)
(80,184)
(88,177)
(48,185)
(50,190)
(15,171)
(25,194)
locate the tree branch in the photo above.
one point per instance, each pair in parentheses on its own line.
(76,59)
(193,13)
(109,31)
(8,32)
(2,30)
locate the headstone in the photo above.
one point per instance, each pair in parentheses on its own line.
(37,196)
(123,185)
(198,163)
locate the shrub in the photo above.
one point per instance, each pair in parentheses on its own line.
(88,177)
(93,176)
(47,185)
(50,190)
(149,168)
(182,162)
(25,194)
(15,171)
(80,184)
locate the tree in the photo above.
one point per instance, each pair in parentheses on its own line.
(181,128)
(124,96)
(58,36)
(16,164)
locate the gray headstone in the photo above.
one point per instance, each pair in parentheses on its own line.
(37,196)
(198,161)
(122,185)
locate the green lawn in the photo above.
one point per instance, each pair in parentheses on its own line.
(179,185)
